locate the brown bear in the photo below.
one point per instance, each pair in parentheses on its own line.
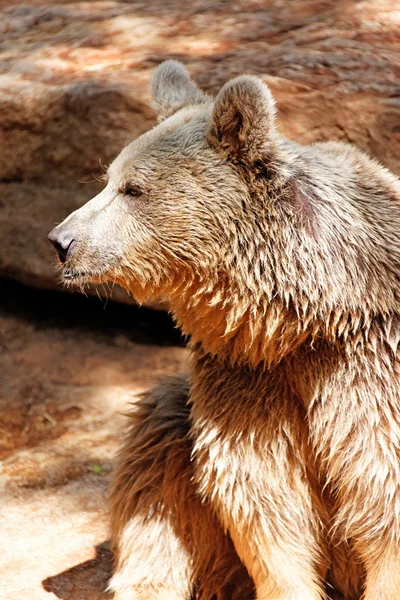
(273,469)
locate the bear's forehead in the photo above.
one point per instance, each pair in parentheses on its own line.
(179,133)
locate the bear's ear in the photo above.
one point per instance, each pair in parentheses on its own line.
(172,89)
(242,125)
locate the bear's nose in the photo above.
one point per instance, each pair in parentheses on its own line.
(63,242)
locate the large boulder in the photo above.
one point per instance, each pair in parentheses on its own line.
(74,80)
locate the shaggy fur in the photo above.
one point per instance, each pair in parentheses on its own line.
(282,264)
(178,539)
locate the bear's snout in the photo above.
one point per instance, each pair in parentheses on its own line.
(63,241)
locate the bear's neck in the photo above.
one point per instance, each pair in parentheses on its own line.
(238,327)
(243,329)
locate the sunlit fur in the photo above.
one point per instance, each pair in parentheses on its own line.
(282,264)
(168,542)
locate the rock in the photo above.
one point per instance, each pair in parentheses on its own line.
(74,82)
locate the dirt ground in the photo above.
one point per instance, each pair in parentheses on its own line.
(69,366)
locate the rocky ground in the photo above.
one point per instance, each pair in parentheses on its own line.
(74,79)
(69,367)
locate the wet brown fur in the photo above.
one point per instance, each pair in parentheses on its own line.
(181,544)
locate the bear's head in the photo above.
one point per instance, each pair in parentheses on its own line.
(215,212)
(174,197)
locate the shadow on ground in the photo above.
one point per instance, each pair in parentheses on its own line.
(88,580)
(45,309)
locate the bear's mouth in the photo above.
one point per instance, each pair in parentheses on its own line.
(71,275)
(79,278)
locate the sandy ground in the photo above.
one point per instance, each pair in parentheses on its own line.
(68,369)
